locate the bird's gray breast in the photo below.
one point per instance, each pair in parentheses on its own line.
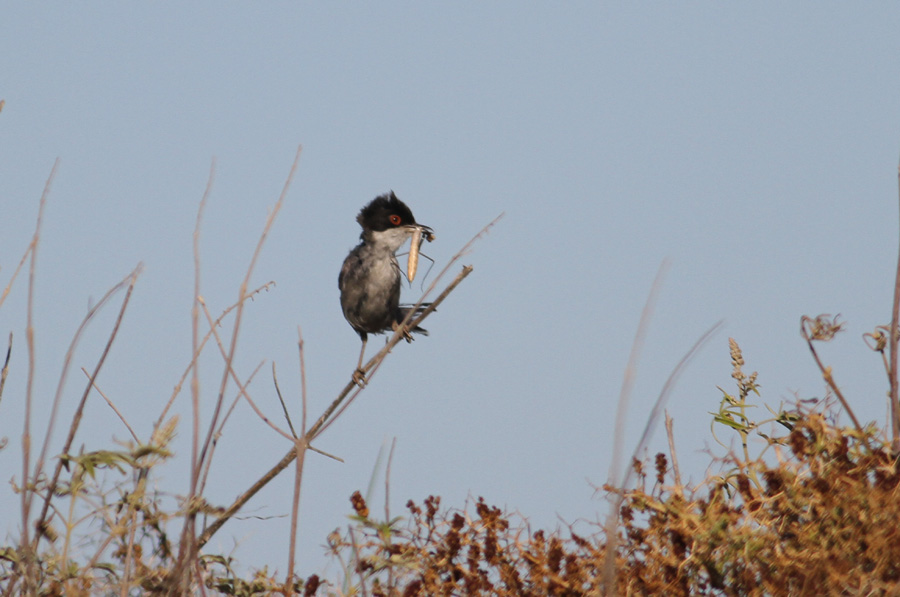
(370,289)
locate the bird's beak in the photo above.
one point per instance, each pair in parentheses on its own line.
(420,232)
(427,232)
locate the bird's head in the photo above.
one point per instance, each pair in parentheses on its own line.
(388,221)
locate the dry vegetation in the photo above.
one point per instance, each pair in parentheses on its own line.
(821,517)
(813,511)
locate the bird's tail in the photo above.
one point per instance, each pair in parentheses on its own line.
(404,310)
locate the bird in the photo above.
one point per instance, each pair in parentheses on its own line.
(370,276)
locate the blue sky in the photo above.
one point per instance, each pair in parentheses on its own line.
(755,146)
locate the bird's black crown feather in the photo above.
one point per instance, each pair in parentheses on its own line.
(376,216)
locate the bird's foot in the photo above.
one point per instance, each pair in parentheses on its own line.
(406,335)
(359,378)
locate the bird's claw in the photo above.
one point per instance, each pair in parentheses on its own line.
(359,378)
(406,335)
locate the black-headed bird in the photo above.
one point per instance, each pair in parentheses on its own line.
(370,277)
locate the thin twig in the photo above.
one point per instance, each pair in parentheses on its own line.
(324,453)
(667,390)
(15,273)
(5,370)
(237,397)
(826,374)
(302,380)
(671,435)
(387,482)
(895,315)
(31,244)
(300,447)
(112,406)
(242,389)
(387,505)
(132,532)
(287,415)
(631,373)
(359,569)
(196,355)
(195,344)
(27,494)
(300,450)
(242,392)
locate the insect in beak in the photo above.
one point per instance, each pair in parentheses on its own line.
(420,233)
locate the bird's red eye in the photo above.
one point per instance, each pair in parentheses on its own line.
(395,219)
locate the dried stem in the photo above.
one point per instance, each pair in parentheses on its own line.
(29,388)
(631,373)
(5,371)
(892,374)
(387,503)
(805,329)
(284,408)
(387,482)
(356,558)
(112,406)
(302,380)
(300,451)
(242,391)
(196,355)
(195,343)
(671,435)
(609,573)
(300,447)
(130,281)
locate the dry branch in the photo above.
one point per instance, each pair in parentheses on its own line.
(313,432)
(329,415)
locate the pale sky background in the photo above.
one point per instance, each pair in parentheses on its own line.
(754,145)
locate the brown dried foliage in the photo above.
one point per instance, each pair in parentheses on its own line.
(826,520)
